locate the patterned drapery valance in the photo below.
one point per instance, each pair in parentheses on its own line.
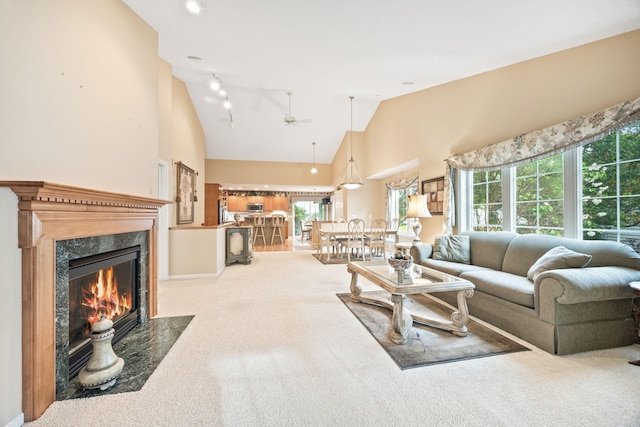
(403,183)
(550,140)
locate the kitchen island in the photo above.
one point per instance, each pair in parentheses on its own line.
(268,228)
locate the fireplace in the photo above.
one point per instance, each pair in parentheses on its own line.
(51,215)
(101,285)
(97,275)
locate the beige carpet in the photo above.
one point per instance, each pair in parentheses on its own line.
(271,345)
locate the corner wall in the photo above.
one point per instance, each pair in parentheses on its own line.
(79,106)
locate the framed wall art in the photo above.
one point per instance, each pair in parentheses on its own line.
(434,190)
(185,196)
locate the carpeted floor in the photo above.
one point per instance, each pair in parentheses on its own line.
(428,346)
(271,345)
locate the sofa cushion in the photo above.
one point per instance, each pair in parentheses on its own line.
(507,286)
(488,248)
(524,250)
(454,268)
(557,258)
(452,248)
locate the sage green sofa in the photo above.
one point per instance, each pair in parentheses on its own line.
(563,311)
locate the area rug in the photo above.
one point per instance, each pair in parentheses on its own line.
(142,350)
(427,345)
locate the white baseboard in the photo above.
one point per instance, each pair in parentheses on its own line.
(17,421)
(192,276)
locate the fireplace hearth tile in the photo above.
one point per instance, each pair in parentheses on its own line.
(142,350)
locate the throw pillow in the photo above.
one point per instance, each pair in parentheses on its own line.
(557,258)
(452,248)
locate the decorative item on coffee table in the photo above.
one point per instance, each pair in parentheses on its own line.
(400,263)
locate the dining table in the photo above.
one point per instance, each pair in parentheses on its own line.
(341,229)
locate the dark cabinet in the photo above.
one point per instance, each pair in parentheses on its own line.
(239,245)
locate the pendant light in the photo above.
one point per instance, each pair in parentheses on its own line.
(351,178)
(313,169)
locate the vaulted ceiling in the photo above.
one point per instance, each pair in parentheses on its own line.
(325,51)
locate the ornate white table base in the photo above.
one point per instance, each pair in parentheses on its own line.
(403,318)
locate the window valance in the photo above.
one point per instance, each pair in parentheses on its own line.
(551,140)
(403,183)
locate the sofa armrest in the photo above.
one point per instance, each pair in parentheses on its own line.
(578,285)
(421,251)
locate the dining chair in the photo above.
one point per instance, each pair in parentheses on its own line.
(375,240)
(393,239)
(355,238)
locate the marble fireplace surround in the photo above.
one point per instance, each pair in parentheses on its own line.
(48,213)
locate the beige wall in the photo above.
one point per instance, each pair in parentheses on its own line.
(82,92)
(273,173)
(488,108)
(196,251)
(188,146)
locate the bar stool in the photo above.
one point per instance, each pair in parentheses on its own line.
(258,228)
(277,221)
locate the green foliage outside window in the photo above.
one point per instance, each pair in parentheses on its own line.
(611,187)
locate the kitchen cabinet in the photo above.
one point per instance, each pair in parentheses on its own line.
(255,199)
(280,203)
(236,203)
(268,203)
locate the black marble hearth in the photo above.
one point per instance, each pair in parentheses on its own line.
(71,249)
(142,350)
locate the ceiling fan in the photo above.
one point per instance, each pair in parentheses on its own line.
(290,120)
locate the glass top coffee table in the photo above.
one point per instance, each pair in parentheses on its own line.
(421,280)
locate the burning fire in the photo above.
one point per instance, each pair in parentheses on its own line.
(102,297)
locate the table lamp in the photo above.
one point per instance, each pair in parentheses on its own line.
(418,209)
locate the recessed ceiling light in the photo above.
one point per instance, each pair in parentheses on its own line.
(194,6)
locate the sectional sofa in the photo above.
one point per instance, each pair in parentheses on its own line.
(577,305)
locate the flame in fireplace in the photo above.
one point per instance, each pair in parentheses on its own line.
(102,297)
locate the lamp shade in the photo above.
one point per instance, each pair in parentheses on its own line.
(418,207)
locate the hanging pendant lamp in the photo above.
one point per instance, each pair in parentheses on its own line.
(314,169)
(351,178)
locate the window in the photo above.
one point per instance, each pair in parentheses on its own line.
(539,197)
(591,192)
(487,201)
(611,188)
(398,204)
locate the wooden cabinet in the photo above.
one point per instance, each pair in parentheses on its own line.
(236,204)
(280,203)
(211,197)
(268,203)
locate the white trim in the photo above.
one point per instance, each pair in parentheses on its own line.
(194,276)
(17,421)
(572,194)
